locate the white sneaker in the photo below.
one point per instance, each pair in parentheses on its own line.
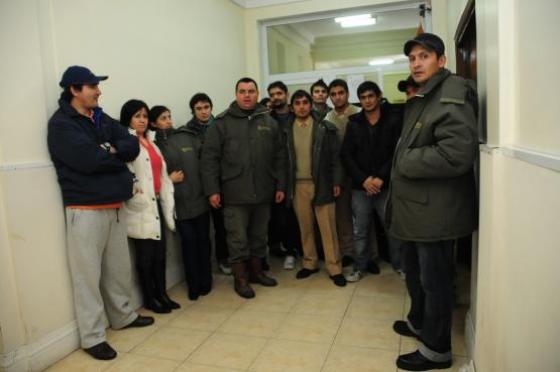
(289,263)
(355,276)
(225,268)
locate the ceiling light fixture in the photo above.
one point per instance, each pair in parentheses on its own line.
(356,20)
(381,62)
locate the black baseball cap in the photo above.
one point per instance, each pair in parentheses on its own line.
(428,41)
(75,75)
(409,82)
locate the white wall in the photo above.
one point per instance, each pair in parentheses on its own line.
(161,52)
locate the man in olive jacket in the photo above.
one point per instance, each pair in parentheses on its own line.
(433,197)
(243,161)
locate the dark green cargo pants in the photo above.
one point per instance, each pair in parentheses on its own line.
(247,230)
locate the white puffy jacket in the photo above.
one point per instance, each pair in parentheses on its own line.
(143,219)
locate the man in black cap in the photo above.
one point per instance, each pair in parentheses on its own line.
(89,151)
(432,197)
(408,87)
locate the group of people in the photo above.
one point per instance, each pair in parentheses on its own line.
(283,177)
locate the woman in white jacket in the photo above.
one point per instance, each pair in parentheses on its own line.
(152,203)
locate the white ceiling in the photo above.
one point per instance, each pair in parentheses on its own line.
(261,3)
(387,20)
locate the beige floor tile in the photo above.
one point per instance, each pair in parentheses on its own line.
(179,294)
(388,284)
(126,339)
(377,307)
(321,304)
(284,356)
(139,363)
(309,328)
(408,345)
(202,317)
(171,343)
(258,324)
(456,367)
(351,358)
(79,360)
(275,300)
(368,333)
(230,351)
(320,283)
(191,367)
(222,298)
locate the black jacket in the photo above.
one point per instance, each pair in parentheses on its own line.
(326,169)
(87,173)
(181,149)
(368,150)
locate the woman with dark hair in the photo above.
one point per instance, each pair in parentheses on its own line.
(152,203)
(181,148)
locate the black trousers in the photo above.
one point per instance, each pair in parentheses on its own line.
(284,228)
(219,235)
(429,272)
(195,243)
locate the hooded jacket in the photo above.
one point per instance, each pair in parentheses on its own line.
(244,157)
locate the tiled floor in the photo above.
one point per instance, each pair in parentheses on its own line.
(301,325)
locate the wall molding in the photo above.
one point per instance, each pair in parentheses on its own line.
(43,353)
(262,3)
(25,166)
(538,158)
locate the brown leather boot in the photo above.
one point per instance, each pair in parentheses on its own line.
(258,276)
(241,280)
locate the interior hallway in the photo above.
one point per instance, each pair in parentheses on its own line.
(301,325)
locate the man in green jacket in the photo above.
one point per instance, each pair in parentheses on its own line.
(315,176)
(432,197)
(243,168)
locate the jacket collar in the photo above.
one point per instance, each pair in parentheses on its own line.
(151,134)
(236,111)
(434,81)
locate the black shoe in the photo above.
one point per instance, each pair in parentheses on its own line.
(372,268)
(305,273)
(102,351)
(169,302)
(339,280)
(157,307)
(347,261)
(402,328)
(418,362)
(193,294)
(141,321)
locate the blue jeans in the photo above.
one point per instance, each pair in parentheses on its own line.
(429,280)
(363,207)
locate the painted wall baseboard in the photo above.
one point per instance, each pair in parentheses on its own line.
(469,342)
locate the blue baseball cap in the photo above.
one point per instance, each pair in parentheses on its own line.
(75,75)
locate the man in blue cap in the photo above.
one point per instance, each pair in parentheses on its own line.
(432,197)
(89,151)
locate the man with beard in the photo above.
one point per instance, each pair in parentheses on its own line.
(283,229)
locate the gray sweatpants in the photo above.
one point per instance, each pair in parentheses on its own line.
(101,271)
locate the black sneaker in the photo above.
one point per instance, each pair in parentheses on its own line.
(305,273)
(102,351)
(401,327)
(417,362)
(339,280)
(372,268)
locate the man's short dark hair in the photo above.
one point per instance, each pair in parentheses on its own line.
(300,93)
(199,97)
(277,84)
(67,95)
(246,80)
(338,83)
(318,83)
(367,86)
